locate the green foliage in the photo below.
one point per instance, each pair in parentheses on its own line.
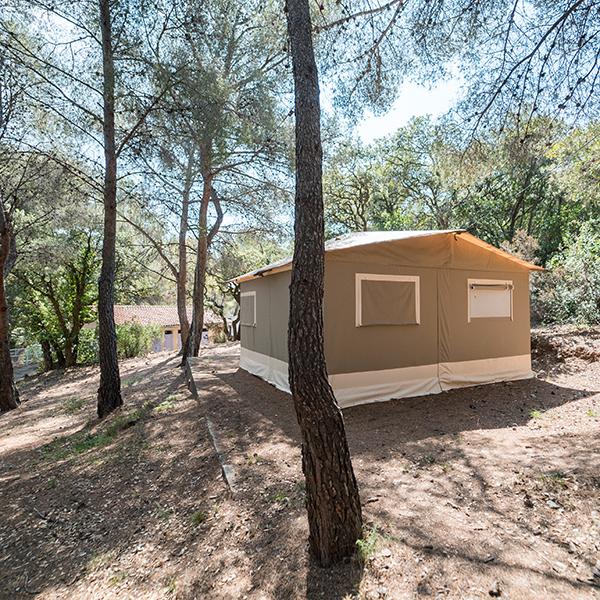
(87,353)
(281,497)
(63,448)
(198,518)
(570,291)
(554,480)
(367,545)
(171,586)
(72,445)
(165,406)
(55,285)
(73,405)
(134,339)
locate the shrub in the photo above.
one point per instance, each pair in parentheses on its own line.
(134,339)
(87,350)
(570,291)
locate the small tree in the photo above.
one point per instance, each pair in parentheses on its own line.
(57,292)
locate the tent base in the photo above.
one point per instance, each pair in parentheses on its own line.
(488,370)
(270,369)
(352,389)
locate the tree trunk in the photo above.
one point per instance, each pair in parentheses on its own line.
(61,363)
(192,348)
(332,499)
(109,392)
(235,324)
(70,357)
(9,396)
(184,323)
(47,354)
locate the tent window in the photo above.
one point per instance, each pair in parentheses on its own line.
(248,309)
(387,299)
(490,298)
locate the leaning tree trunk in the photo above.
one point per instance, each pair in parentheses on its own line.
(332,499)
(109,392)
(192,347)
(9,397)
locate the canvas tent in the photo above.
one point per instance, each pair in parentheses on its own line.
(406,313)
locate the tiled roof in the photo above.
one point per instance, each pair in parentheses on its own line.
(147,314)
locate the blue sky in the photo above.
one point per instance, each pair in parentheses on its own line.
(413,100)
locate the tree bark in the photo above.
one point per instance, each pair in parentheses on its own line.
(200,273)
(60,357)
(184,323)
(47,354)
(332,499)
(235,324)
(9,396)
(109,392)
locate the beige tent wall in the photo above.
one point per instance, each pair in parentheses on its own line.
(263,349)
(350,349)
(379,362)
(376,363)
(483,350)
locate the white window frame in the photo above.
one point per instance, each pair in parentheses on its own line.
(507,282)
(242,295)
(360,277)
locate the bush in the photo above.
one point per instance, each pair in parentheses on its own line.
(87,350)
(134,339)
(570,291)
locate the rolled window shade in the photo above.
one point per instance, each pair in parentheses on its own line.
(388,303)
(491,286)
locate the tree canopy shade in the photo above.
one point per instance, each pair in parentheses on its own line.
(332,499)
(516,56)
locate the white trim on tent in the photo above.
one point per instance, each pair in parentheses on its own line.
(486,370)
(360,277)
(352,389)
(266,367)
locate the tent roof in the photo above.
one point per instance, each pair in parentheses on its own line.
(367,238)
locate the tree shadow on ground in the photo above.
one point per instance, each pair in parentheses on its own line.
(76,506)
(394,442)
(124,510)
(333,583)
(492,406)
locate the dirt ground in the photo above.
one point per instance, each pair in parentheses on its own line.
(484,492)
